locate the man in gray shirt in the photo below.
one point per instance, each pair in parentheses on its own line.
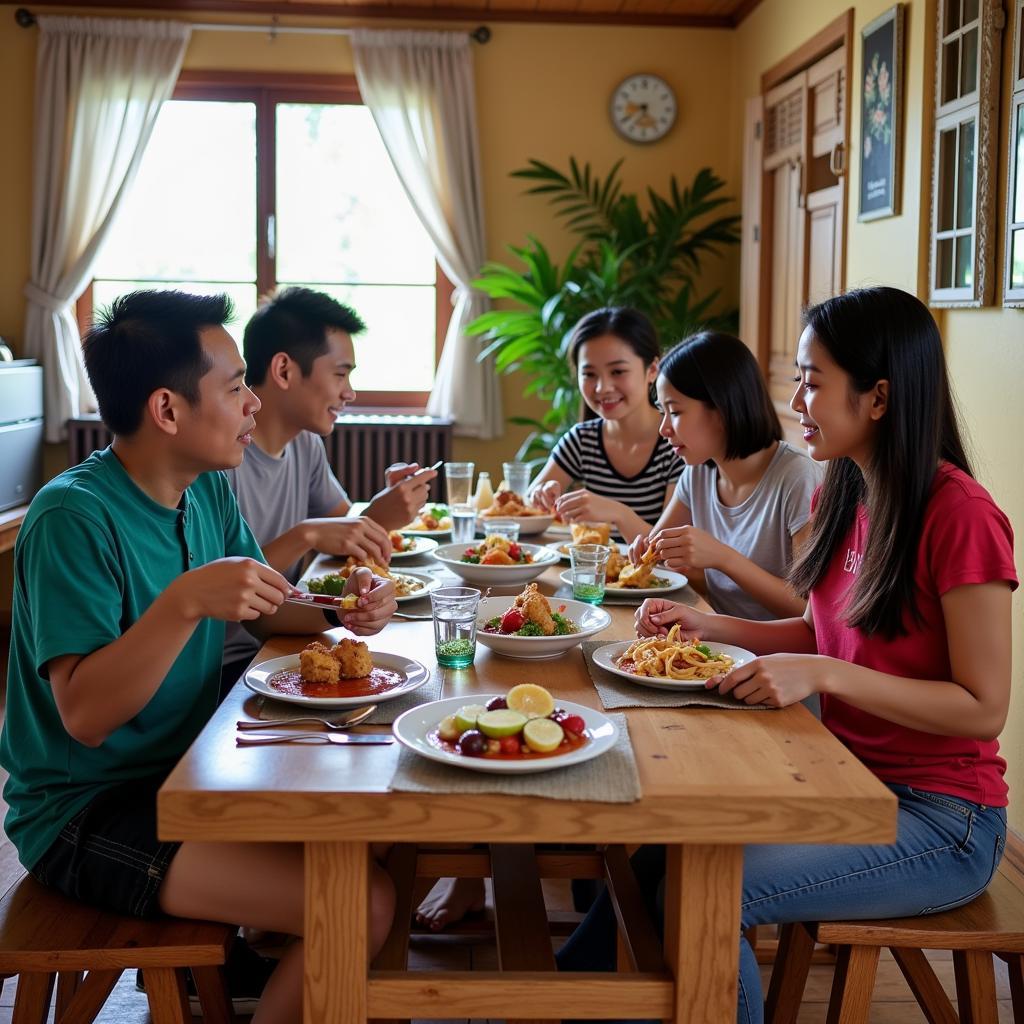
(299,360)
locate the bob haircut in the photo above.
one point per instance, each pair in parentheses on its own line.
(720,371)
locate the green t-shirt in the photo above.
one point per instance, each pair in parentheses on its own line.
(93,554)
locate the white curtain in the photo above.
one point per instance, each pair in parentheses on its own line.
(100,83)
(419,88)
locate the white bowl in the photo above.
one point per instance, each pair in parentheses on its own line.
(528,525)
(588,617)
(450,555)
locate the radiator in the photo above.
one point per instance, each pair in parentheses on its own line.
(359,450)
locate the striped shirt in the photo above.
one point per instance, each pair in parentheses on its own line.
(581,454)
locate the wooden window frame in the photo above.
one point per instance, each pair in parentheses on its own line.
(265,91)
(1014,297)
(980,105)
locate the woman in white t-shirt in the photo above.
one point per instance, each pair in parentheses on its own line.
(742,506)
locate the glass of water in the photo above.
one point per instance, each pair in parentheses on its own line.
(588,566)
(463,523)
(459,482)
(517,476)
(507,528)
(455,611)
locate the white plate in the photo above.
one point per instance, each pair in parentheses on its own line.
(411,531)
(605,657)
(675,581)
(421,546)
(450,555)
(256,678)
(528,525)
(429,583)
(412,728)
(556,546)
(588,617)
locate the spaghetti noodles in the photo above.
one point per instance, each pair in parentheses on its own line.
(670,657)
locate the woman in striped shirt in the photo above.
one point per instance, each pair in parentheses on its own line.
(625,469)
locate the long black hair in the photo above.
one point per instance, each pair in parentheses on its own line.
(879,334)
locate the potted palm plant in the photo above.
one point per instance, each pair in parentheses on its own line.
(625,256)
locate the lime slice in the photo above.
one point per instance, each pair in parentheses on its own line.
(496,724)
(466,716)
(543,735)
(531,700)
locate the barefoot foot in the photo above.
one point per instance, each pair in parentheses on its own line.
(450,901)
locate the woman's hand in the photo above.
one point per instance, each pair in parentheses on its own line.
(545,495)
(584,507)
(686,547)
(641,542)
(775,679)
(376,602)
(657,615)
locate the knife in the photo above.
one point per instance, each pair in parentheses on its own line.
(340,739)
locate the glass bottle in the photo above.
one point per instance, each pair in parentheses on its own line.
(484,494)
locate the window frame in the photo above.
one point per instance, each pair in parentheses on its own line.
(266,90)
(1014,297)
(980,105)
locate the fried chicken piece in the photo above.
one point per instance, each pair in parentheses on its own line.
(591,533)
(639,576)
(497,557)
(534,606)
(352,658)
(616,563)
(317,665)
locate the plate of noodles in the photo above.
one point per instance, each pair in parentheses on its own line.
(670,662)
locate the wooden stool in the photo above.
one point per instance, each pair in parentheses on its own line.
(991,924)
(45,937)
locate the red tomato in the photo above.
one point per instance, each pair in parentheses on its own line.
(510,745)
(574,724)
(514,551)
(512,621)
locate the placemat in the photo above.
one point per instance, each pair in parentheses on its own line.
(611,778)
(268,709)
(616,692)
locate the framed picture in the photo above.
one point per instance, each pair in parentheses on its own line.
(881,127)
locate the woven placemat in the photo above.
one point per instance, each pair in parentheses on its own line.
(611,778)
(266,709)
(616,692)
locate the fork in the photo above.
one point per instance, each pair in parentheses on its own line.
(411,616)
(345,722)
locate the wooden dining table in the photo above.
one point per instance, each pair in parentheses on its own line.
(712,781)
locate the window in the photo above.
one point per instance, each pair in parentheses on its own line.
(1013,281)
(250,185)
(963,187)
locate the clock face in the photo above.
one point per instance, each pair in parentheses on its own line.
(643,108)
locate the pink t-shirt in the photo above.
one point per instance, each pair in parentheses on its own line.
(965,539)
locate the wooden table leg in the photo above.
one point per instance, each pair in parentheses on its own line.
(337,930)
(703,886)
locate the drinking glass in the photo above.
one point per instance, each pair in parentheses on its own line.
(459,481)
(507,528)
(455,610)
(463,523)
(517,476)
(588,566)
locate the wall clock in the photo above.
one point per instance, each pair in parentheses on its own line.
(643,108)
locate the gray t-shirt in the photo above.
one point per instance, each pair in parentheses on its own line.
(273,495)
(760,528)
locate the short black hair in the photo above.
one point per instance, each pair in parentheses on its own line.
(720,371)
(147,340)
(295,321)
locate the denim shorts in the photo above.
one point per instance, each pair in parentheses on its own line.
(108,854)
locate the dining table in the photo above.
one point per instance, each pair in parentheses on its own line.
(712,780)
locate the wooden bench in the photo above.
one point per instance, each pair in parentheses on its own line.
(991,925)
(47,939)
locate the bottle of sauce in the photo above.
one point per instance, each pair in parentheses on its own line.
(484,493)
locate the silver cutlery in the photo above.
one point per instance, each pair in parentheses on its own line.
(344,722)
(337,738)
(411,617)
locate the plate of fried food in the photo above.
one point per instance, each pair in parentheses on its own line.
(430,521)
(524,730)
(496,561)
(509,505)
(670,662)
(627,581)
(409,545)
(345,675)
(533,626)
(409,586)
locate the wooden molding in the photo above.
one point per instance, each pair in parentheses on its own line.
(830,38)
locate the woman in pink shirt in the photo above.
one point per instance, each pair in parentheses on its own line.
(908,574)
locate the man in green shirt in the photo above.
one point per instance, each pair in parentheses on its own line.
(126,570)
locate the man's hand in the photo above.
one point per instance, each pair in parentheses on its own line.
(359,536)
(376,602)
(232,589)
(408,487)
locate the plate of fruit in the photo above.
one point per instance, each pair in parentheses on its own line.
(496,561)
(524,730)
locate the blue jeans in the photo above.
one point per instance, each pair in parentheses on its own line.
(946,852)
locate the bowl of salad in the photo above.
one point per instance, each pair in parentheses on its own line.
(496,561)
(533,626)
